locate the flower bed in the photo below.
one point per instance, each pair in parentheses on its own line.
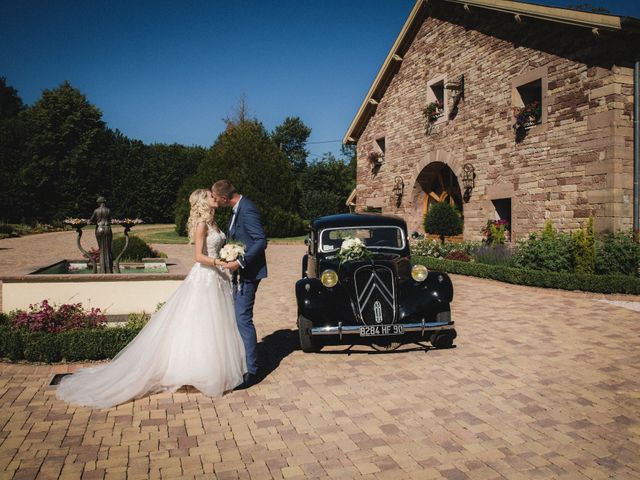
(48,333)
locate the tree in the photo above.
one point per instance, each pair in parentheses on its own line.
(291,137)
(11,151)
(66,167)
(443,220)
(326,186)
(10,103)
(246,155)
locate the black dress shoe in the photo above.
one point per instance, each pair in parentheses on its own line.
(249,379)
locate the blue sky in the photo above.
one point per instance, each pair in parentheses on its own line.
(169,71)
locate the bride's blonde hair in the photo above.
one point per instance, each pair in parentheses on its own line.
(200,211)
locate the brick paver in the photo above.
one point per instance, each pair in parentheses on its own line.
(541,384)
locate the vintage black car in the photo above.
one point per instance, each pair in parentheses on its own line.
(382,300)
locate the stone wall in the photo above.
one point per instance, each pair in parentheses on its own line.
(576,163)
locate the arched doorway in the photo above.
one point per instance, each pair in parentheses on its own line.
(439,184)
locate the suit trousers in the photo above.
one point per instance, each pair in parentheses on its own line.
(244,297)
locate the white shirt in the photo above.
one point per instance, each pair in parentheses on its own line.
(234,210)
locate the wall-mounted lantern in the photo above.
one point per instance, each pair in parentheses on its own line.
(398,189)
(468,180)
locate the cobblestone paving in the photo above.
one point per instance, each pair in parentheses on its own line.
(542,384)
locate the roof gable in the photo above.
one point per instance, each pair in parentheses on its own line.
(420,11)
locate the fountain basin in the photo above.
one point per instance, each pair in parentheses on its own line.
(113,294)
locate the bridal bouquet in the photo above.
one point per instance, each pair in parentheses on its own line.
(231,252)
(353,249)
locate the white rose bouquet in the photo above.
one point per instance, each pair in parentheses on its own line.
(353,249)
(231,252)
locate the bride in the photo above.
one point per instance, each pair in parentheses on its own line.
(193,340)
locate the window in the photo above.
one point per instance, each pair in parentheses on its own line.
(372,237)
(436,107)
(528,98)
(503,212)
(529,103)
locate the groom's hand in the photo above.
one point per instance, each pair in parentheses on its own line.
(232,266)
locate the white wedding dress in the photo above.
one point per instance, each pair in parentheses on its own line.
(193,340)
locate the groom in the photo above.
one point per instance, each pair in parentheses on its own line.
(245,227)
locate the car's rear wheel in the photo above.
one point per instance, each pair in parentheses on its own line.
(307,343)
(443,339)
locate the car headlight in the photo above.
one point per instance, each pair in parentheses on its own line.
(329,278)
(419,273)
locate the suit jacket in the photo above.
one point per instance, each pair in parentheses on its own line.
(247,229)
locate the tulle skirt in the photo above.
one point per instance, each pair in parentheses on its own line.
(193,340)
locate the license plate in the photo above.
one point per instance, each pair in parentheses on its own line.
(381,330)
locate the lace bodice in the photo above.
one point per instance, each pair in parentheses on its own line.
(215,241)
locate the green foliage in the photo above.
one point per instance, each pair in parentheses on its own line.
(618,254)
(443,220)
(143,172)
(65,146)
(137,320)
(326,185)
(583,246)
(291,137)
(70,346)
(136,251)
(57,156)
(12,154)
(548,232)
(549,251)
(279,223)
(537,278)
(494,255)
(247,156)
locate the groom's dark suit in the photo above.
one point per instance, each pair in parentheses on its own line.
(246,228)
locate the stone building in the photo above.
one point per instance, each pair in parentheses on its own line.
(506,110)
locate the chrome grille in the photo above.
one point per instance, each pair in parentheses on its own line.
(375,294)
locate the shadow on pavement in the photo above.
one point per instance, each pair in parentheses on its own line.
(368,350)
(275,347)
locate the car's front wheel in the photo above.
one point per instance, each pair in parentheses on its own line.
(307,343)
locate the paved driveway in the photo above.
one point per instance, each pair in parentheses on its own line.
(542,384)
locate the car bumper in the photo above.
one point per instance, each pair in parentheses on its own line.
(423,327)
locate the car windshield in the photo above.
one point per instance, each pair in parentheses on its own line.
(372,237)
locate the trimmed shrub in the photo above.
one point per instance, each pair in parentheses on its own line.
(70,345)
(136,251)
(443,220)
(537,278)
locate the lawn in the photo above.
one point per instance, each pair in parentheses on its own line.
(166,234)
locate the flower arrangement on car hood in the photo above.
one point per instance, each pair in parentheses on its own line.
(353,249)
(232,251)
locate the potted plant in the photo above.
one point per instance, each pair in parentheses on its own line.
(375,158)
(528,115)
(433,111)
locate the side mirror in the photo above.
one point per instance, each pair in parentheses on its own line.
(307,241)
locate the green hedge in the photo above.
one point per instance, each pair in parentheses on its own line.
(71,345)
(537,278)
